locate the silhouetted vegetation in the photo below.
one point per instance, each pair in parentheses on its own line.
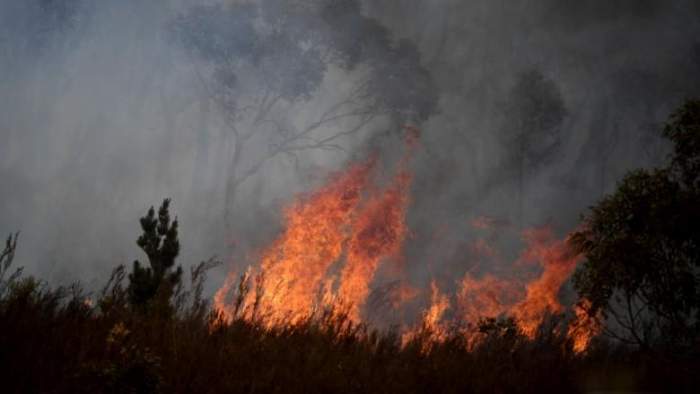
(642,248)
(160,243)
(233,106)
(115,341)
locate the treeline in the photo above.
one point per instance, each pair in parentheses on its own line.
(148,331)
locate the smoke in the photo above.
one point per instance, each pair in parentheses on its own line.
(103,113)
(621,67)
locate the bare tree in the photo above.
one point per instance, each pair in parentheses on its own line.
(262,63)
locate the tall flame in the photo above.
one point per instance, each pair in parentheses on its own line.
(378,232)
(293,268)
(335,240)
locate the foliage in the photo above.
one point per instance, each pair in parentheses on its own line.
(160,243)
(642,246)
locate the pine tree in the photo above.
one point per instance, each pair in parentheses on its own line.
(160,243)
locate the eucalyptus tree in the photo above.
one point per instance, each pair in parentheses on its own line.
(642,247)
(296,76)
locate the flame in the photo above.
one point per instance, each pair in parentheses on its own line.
(291,280)
(342,223)
(378,232)
(294,266)
(439,303)
(220,297)
(335,239)
(558,263)
(528,302)
(584,327)
(485,297)
(431,322)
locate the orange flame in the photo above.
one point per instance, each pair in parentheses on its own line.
(378,232)
(439,304)
(335,239)
(584,327)
(431,323)
(485,297)
(541,297)
(291,281)
(220,301)
(294,266)
(528,303)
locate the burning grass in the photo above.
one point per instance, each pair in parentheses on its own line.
(52,340)
(296,320)
(336,240)
(62,340)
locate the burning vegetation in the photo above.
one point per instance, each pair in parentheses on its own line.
(335,240)
(351,294)
(299,319)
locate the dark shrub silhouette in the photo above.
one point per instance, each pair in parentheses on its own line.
(160,243)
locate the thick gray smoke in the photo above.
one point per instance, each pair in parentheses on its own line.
(108,106)
(620,68)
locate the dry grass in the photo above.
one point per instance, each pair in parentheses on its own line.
(56,341)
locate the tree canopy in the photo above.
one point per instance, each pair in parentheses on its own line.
(642,246)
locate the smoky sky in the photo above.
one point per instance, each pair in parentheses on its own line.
(103,113)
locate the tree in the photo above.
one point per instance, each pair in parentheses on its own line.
(263,63)
(160,243)
(534,114)
(642,246)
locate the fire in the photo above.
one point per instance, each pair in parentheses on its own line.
(378,232)
(558,263)
(293,268)
(219,300)
(317,228)
(485,297)
(345,223)
(335,240)
(431,322)
(584,327)
(527,302)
